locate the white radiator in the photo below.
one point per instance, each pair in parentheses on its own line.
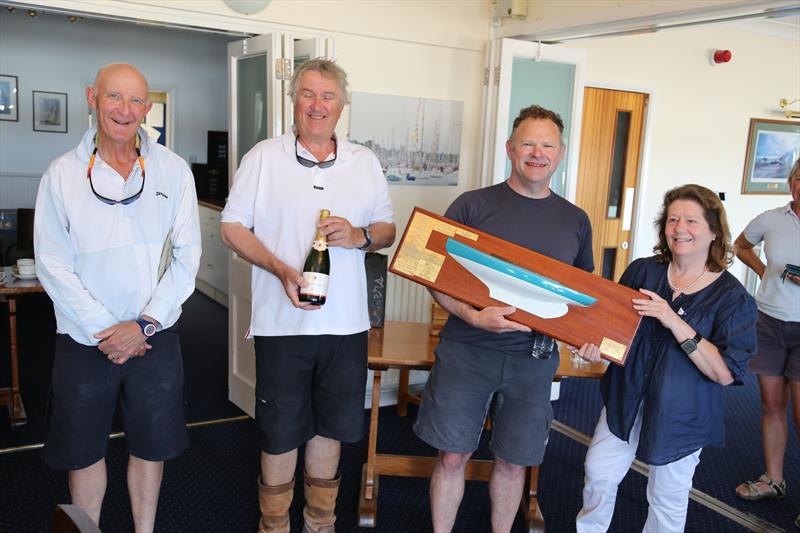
(407,301)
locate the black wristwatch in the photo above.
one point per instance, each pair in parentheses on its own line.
(148,328)
(690,345)
(366,236)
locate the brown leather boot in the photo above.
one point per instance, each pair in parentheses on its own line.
(320,504)
(274,503)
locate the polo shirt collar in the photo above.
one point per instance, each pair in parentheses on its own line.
(86,146)
(343,148)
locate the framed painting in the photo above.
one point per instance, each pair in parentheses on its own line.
(9,103)
(50,112)
(772,148)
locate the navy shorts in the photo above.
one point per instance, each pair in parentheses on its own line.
(309,385)
(83,397)
(778,348)
(467,382)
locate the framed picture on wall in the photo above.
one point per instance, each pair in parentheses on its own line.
(772,148)
(50,112)
(9,103)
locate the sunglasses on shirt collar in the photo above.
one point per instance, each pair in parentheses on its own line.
(109,201)
(308,163)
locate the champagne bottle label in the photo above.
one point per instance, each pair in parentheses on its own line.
(320,245)
(317,284)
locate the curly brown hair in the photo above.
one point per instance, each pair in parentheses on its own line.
(720,254)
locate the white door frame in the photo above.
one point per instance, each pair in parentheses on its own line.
(497,91)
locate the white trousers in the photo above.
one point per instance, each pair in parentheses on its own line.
(608,461)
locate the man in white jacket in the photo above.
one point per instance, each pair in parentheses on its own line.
(117,245)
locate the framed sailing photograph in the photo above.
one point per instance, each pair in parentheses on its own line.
(49,112)
(772,148)
(416,140)
(9,103)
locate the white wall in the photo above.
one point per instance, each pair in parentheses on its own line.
(50,54)
(409,48)
(699,115)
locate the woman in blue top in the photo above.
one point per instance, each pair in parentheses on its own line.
(696,336)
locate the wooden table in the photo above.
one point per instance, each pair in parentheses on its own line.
(10,396)
(409,346)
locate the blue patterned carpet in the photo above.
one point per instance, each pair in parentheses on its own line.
(212,487)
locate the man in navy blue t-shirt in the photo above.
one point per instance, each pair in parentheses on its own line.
(487,361)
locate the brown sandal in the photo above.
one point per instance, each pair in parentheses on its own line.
(777,489)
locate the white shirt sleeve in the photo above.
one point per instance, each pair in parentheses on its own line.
(382,209)
(240,206)
(177,283)
(755,230)
(55,261)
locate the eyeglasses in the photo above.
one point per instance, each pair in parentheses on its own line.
(109,201)
(308,163)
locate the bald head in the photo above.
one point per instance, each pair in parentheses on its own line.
(118,68)
(119,98)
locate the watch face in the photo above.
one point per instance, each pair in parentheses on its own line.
(147,328)
(689,346)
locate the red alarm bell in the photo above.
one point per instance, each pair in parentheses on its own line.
(722,56)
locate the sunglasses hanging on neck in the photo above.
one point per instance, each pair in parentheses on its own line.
(308,163)
(109,201)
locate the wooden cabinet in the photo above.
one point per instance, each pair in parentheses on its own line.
(212,277)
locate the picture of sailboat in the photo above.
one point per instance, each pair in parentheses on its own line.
(416,140)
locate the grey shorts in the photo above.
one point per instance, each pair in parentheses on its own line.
(778,348)
(467,382)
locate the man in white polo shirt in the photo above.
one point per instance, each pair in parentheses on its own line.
(311,361)
(117,244)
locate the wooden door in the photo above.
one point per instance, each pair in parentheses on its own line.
(608,169)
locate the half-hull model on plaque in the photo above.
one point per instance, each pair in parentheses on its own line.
(559,300)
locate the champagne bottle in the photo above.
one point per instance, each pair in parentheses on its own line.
(317,268)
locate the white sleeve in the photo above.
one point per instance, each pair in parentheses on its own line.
(177,283)
(241,203)
(55,261)
(755,229)
(382,208)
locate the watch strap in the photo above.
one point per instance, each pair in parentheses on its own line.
(368,238)
(690,345)
(146,326)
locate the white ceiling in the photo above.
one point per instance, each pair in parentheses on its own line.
(787,27)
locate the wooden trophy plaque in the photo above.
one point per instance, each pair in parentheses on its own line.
(551,297)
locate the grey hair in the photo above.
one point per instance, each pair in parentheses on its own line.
(327,68)
(793,171)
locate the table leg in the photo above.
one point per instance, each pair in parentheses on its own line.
(368,499)
(10,396)
(402,393)
(532,514)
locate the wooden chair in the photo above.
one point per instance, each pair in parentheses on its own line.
(72,519)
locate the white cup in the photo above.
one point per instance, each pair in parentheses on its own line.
(5,275)
(26,267)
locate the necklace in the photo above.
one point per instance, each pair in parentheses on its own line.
(689,286)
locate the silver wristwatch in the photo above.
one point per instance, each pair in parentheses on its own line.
(367,236)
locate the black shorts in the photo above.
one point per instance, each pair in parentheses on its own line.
(309,385)
(84,393)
